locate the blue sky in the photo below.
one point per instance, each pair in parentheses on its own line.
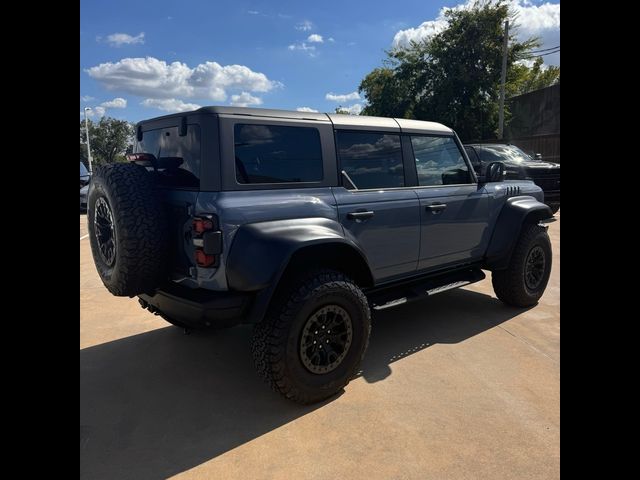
(140,59)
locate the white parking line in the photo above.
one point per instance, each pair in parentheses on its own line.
(83,237)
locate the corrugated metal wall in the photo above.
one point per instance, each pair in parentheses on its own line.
(535,123)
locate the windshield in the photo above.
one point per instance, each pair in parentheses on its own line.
(502,153)
(83,170)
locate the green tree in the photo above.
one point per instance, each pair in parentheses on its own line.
(452,77)
(387,95)
(83,143)
(109,139)
(523,79)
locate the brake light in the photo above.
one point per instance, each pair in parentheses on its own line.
(201,225)
(140,157)
(203,259)
(206,240)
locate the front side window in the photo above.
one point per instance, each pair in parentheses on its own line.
(277,154)
(473,156)
(372,160)
(439,161)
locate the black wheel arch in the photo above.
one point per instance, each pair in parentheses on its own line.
(264,254)
(516,212)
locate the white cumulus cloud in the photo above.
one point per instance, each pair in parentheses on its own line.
(532,20)
(95,111)
(245,99)
(154,78)
(118,102)
(301,46)
(342,98)
(354,109)
(101,109)
(172,105)
(86,98)
(119,39)
(315,38)
(304,26)
(306,109)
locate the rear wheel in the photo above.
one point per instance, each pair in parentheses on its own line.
(312,340)
(523,282)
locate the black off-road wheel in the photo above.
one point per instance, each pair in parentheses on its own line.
(524,281)
(313,338)
(127,229)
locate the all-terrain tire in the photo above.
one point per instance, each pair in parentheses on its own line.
(137,264)
(510,285)
(276,340)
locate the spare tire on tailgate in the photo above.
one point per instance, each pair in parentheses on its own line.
(127,229)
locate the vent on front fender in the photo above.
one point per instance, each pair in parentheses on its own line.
(513,191)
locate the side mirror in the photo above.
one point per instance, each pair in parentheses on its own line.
(494,172)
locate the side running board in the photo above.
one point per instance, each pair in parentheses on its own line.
(394,296)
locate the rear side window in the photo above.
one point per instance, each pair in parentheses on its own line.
(177,158)
(277,154)
(439,161)
(372,160)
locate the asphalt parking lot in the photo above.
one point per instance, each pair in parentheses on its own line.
(456,386)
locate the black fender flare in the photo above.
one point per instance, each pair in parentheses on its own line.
(514,213)
(260,253)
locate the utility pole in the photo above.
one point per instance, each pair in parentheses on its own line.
(86,127)
(503,78)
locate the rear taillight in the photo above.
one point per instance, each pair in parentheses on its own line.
(201,225)
(204,260)
(208,241)
(140,157)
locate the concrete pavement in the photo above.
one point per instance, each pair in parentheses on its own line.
(455,386)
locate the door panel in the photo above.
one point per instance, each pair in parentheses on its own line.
(454,224)
(386,225)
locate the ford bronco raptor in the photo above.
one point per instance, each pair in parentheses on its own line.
(302,223)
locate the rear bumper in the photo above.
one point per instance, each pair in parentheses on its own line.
(198,307)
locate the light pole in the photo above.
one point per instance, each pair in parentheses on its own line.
(86,126)
(503,78)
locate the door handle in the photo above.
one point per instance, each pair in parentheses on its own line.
(436,208)
(360,215)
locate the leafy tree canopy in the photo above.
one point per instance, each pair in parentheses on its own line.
(453,77)
(108,140)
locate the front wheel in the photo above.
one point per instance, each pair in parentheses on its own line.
(523,282)
(312,340)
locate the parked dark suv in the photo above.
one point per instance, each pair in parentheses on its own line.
(85,176)
(302,223)
(519,166)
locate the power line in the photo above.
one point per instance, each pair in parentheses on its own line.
(543,54)
(543,49)
(540,55)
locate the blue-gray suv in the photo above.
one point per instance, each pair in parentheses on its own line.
(302,223)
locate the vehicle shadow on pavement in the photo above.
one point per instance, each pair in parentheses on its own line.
(450,317)
(159,403)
